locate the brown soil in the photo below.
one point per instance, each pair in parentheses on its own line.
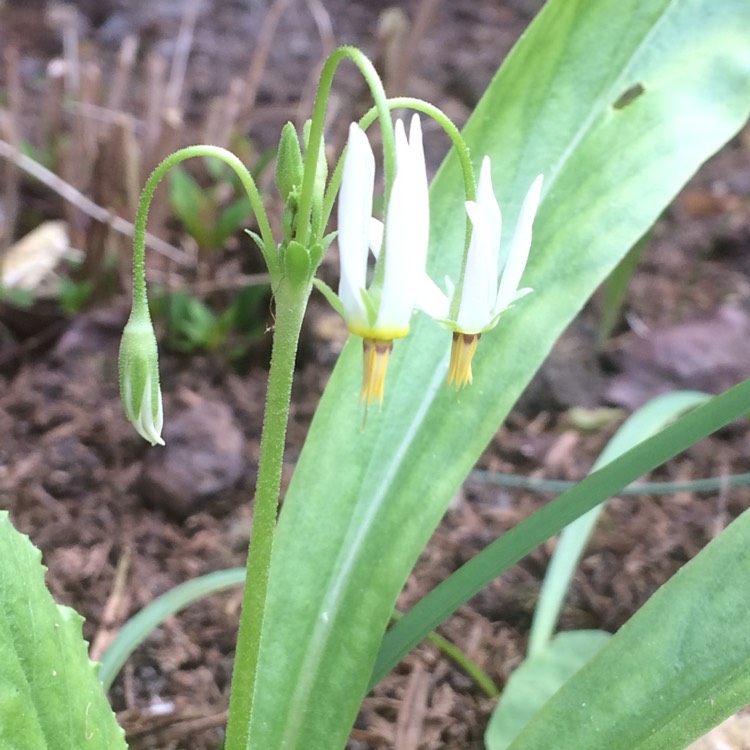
(84,486)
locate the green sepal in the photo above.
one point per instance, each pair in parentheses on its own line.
(289,169)
(269,256)
(317,251)
(328,239)
(297,265)
(330,295)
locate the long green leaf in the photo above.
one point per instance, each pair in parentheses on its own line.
(677,668)
(50,696)
(363,502)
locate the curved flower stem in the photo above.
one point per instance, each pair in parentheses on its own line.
(140,303)
(382,111)
(291,302)
(418,105)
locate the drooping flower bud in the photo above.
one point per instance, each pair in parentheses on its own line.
(139,379)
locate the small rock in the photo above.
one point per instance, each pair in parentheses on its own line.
(708,354)
(204,454)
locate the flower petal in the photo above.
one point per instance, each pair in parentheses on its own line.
(355,212)
(488,204)
(479,289)
(375,236)
(519,248)
(406,231)
(431,299)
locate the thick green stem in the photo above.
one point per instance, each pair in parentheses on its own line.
(290,308)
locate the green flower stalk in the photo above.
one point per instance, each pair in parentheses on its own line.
(139,377)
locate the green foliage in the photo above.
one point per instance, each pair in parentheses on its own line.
(140,626)
(678,667)
(362,503)
(199,209)
(644,423)
(537,680)
(23,298)
(512,546)
(192,325)
(50,696)
(74,294)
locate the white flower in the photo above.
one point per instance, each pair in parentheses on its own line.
(383,312)
(481,299)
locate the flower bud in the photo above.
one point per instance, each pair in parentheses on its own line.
(139,379)
(288,162)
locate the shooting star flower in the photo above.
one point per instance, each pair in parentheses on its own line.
(481,299)
(381,312)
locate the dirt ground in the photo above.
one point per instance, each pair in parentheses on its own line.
(99,502)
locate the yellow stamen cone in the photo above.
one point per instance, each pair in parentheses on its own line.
(376,353)
(462,352)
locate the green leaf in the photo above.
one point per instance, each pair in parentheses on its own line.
(191,322)
(677,668)
(50,696)
(191,204)
(363,502)
(537,680)
(230,220)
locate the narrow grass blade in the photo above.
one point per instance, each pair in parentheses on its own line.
(644,423)
(140,626)
(468,580)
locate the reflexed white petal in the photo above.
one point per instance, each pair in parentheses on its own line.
(159,418)
(520,246)
(355,211)
(480,284)
(375,237)
(406,229)
(147,424)
(490,209)
(522,293)
(431,299)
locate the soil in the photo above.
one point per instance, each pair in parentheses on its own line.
(118,526)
